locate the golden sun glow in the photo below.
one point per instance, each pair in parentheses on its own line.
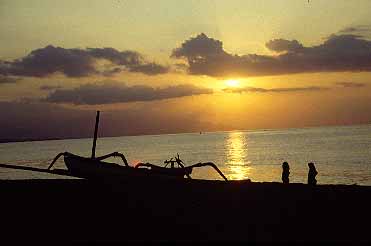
(232,83)
(237,162)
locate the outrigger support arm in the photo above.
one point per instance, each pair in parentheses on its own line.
(181,171)
(56,158)
(114,154)
(186,168)
(208,164)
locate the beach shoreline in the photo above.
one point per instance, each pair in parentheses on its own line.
(70,210)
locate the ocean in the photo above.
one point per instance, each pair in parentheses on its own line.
(342,154)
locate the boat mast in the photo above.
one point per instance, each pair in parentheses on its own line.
(95,136)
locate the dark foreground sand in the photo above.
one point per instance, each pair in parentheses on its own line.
(79,210)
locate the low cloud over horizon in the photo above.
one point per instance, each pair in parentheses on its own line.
(22,121)
(50,87)
(108,93)
(34,120)
(277,90)
(346,85)
(350,84)
(357,29)
(8,80)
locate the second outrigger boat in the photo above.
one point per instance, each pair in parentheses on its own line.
(96,168)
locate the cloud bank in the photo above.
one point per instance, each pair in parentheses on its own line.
(93,94)
(338,53)
(79,63)
(7,79)
(350,84)
(50,87)
(277,90)
(356,29)
(348,50)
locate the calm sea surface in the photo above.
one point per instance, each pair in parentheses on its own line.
(342,155)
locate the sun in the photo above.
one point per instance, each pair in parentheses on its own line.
(232,83)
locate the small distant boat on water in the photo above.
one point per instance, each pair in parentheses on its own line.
(96,168)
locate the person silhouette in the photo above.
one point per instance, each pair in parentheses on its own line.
(312,174)
(285,172)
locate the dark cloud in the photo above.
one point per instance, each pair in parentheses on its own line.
(274,90)
(8,80)
(346,52)
(93,94)
(79,63)
(350,84)
(181,66)
(45,61)
(149,69)
(280,45)
(50,87)
(117,57)
(198,47)
(357,29)
(132,60)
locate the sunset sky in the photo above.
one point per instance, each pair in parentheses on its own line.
(167,66)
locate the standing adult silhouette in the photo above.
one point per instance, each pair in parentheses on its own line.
(285,172)
(312,174)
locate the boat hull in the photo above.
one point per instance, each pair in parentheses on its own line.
(87,168)
(94,169)
(91,169)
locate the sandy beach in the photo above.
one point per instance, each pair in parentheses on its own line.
(81,210)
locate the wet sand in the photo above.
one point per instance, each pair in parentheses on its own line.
(81,210)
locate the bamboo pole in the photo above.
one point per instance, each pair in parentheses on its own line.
(95,136)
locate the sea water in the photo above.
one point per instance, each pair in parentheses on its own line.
(342,154)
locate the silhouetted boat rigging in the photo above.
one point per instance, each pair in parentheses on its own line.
(96,168)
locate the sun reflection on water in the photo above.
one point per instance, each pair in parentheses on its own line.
(236,147)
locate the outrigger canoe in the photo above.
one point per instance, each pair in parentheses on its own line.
(89,168)
(96,168)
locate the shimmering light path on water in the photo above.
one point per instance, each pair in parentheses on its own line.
(341,154)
